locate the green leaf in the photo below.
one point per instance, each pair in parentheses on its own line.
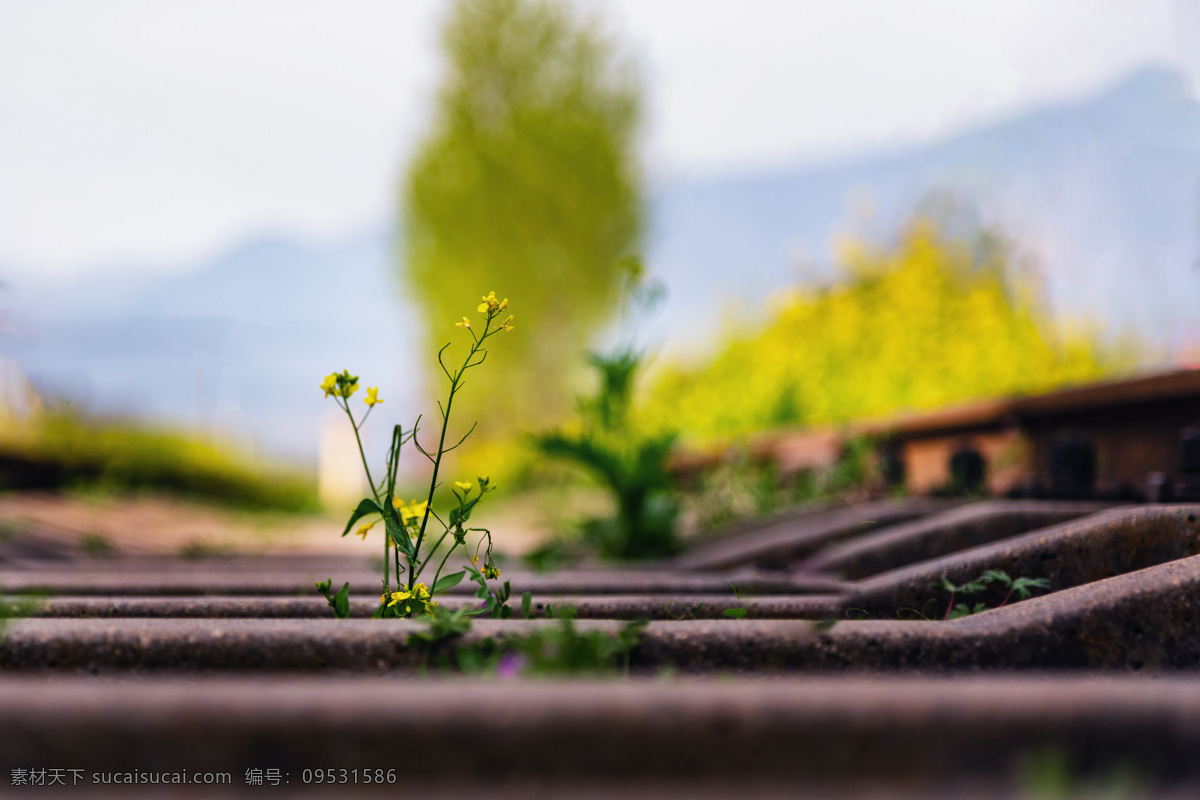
(958,612)
(366,507)
(1022,586)
(341,602)
(999,576)
(974,587)
(449,581)
(735,613)
(526,604)
(399,535)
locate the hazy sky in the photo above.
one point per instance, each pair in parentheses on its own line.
(156,133)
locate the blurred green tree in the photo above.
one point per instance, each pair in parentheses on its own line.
(528,184)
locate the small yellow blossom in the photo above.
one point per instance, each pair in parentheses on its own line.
(418,594)
(372,397)
(341,384)
(363,530)
(383,598)
(463,486)
(410,512)
(489,304)
(503,305)
(466,323)
(475,560)
(507,324)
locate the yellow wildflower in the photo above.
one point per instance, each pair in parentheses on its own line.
(507,324)
(410,512)
(466,323)
(399,597)
(372,397)
(383,598)
(503,305)
(363,530)
(475,560)
(489,304)
(463,486)
(341,384)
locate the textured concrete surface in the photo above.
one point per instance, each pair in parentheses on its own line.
(1100,674)
(1099,546)
(1141,620)
(113,581)
(782,543)
(697,606)
(974,737)
(941,534)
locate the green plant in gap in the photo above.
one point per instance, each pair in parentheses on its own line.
(18,607)
(564,648)
(631,464)
(339,601)
(556,649)
(740,611)
(407,532)
(1021,587)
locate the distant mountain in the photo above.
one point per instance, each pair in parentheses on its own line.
(1103,191)
(238,344)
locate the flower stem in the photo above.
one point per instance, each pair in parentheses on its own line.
(441,451)
(361,454)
